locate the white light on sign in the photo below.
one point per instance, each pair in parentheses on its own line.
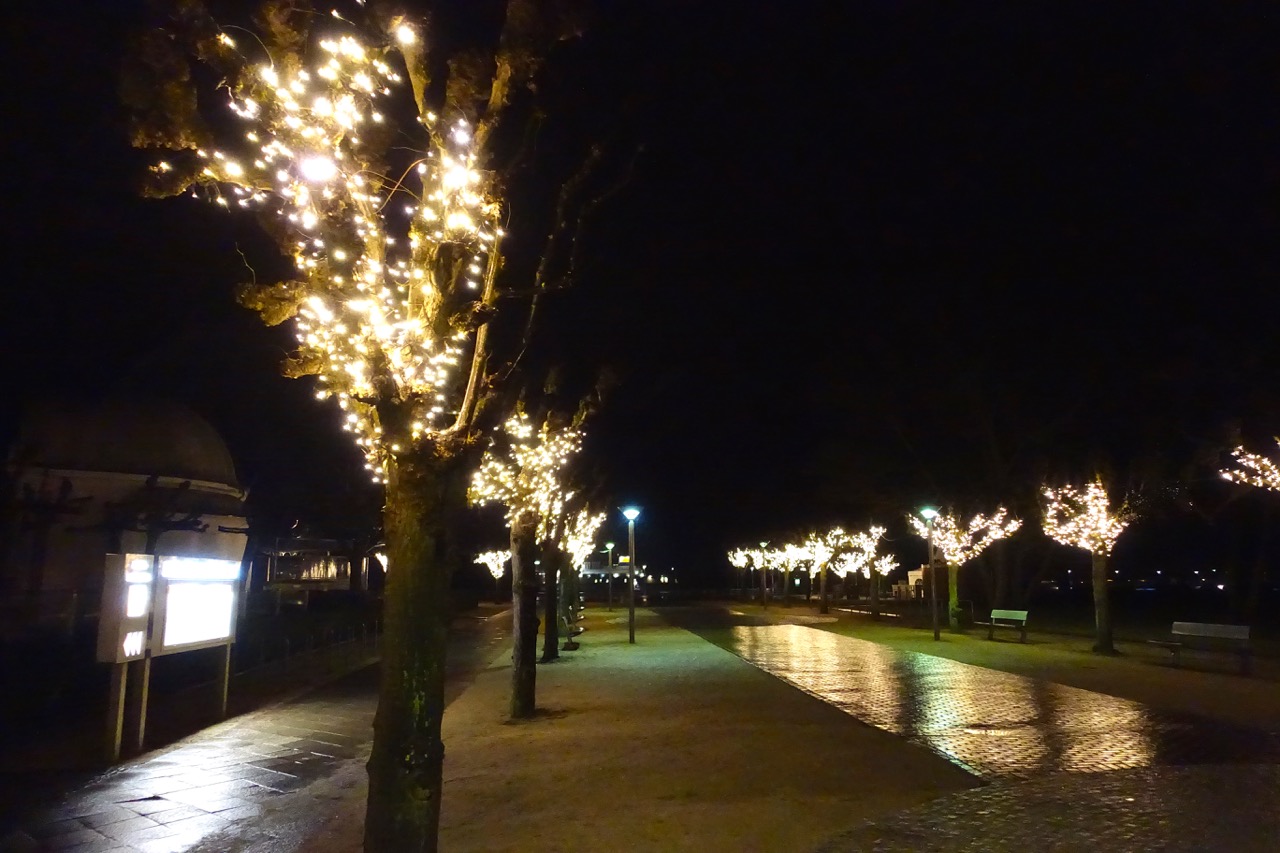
(132,644)
(138,598)
(199,612)
(198,569)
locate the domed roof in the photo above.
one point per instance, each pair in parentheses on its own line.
(123,437)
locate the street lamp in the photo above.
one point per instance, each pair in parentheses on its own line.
(929,514)
(608,577)
(631,513)
(764,578)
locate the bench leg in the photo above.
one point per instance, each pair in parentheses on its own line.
(1024,633)
(991,631)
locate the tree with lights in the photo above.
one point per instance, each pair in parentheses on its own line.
(523,472)
(1084,519)
(961,542)
(860,558)
(373,150)
(1253,470)
(575,545)
(495,562)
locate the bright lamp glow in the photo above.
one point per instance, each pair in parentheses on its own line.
(631,513)
(138,597)
(198,613)
(928,513)
(198,569)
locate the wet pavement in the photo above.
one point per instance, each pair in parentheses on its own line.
(251,783)
(1066,769)
(994,724)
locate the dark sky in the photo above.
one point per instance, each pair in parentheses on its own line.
(896,253)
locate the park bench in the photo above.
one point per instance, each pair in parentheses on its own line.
(1205,637)
(1006,619)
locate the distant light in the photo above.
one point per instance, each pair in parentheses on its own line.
(405,34)
(631,513)
(1222,586)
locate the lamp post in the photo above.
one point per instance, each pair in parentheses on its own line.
(608,576)
(764,577)
(631,513)
(929,514)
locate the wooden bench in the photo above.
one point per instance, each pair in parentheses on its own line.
(1203,636)
(1006,619)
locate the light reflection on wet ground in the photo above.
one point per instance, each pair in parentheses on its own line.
(995,724)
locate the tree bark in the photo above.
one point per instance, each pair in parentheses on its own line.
(524,610)
(764,588)
(822,591)
(875,595)
(424,494)
(551,605)
(953,596)
(1101,607)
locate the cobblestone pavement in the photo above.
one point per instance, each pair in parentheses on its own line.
(249,783)
(1170,809)
(1070,769)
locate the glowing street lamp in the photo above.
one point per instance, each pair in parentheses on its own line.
(631,513)
(608,577)
(929,514)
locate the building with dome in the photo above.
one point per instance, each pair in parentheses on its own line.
(91,479)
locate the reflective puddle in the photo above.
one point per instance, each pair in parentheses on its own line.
(994,724)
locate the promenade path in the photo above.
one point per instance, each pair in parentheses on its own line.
(735,731)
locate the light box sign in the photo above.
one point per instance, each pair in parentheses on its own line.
(196,604)
(127,596)
(190,603)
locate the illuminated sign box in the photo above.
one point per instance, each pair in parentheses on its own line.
(191,603)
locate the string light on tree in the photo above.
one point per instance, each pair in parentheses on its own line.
(494,561)
(394,272)
(961,542)
(1253,470)
(1084,519)
(526,478)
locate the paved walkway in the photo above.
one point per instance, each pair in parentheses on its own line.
(675,744)
(260,781)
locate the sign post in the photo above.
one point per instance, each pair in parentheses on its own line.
(161,605)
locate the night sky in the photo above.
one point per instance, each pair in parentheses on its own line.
(865,259)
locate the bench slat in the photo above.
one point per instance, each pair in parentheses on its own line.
(1202,629)
(1020,615)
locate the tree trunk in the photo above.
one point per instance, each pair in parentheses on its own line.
(875,595)
(1101,607)
(822,591)
(764,587)
(424,495)
(524,610)
(786,587)
(953,596)
(551,605)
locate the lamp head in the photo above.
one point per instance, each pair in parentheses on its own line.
(608,545)
(631,513)
(928,513)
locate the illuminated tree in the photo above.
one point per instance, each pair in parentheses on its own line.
(959,543)
(522,472)
(495,562)
(372,152)
(742,560)
(1084,519)
(1253,470)
(824,550)
(576,545)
